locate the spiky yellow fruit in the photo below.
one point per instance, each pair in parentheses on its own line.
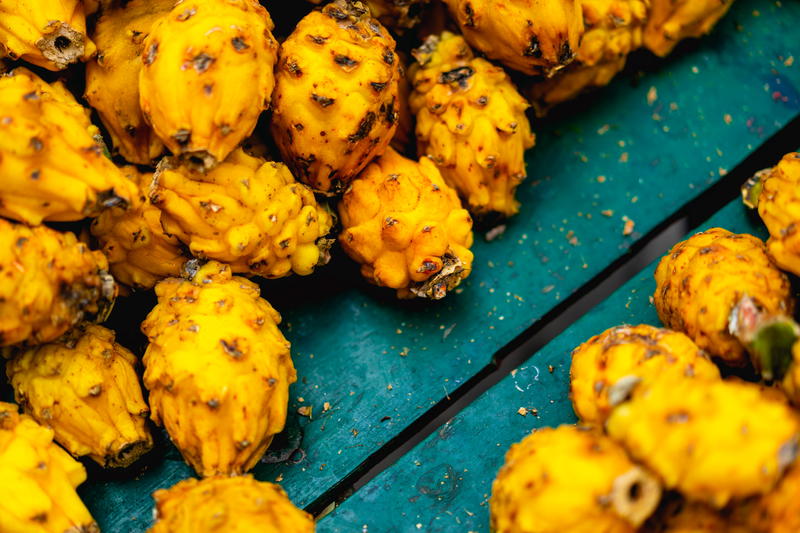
(404,135)
(112,79)
(712,440)
(40,479)
(777,197)
(406,228)
(335,102)
(673,20)
(52,168)
(86,389)
(531,36)
(703,279)
(139,251)
(235,504)
(47,33)
(570,480)
(50,283)
(624,352)
(613,30)
(217,359)
(471,122)
(247,212)
(777,511)
(207,76)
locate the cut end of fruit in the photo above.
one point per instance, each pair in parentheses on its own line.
(751,190)
(768,339)
(444,281)
(127,454)
(63,46)
(199,161)
(635,495)
(621,390)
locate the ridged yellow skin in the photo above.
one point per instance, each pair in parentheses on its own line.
(207,76)
(112,79)
(713,441)
(40,480)
(231,504)
(50,283)
(406,228)
(673,20)
(779,208)
(778,511)
(218,369)
(703,278)
(613,30)
(52,168)
(532,36)
(561,481)
(471,121)
(29,29)
(247,212)
(86,389)
(623,351)
(335,101)
(139,251)
(404,135)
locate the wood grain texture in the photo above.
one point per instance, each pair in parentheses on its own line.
(444,483)
(647,145)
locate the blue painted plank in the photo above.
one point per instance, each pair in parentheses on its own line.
(444,483)
(643,150)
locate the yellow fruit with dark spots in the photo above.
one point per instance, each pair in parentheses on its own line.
(49,283)
(406,228)
(85,388)
(52,167)
(680,516)
(47,33)
(335,102)
(246,212)
(112,79)
(471,122)
(613,30)
(207,76)
(626,352)
(41,479)
(536,37)
(570,480)
(232,504)
(712,440)
(777,511)
(216,360)
(671,21)
(702,281)
(139,251)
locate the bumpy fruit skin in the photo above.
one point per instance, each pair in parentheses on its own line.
(112,79)
(52,167)
(404,135)
(86,389)
(335,102)
(570,480)
(40,479)
(673,20)
(231,504)
(613,30)
(703,278)
(207,76)
(247,212)
(47,33)
(623,351)
(778,511)
(50,283)
(217,359)
(406,228)
(536,37)
(712,440)
(139,251)
(471,122)
(779,208)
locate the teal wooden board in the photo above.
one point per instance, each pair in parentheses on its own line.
(444,483)
(642,151)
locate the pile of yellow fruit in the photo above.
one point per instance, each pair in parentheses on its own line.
(188,197)
(665,444)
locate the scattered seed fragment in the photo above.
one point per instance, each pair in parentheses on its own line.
(727,118)
(326,406)
(652,96)
(601,179)
(789,61)
(495,232)
(629,224)
(304,411)
(607,212)
(522,411)
(548,289)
